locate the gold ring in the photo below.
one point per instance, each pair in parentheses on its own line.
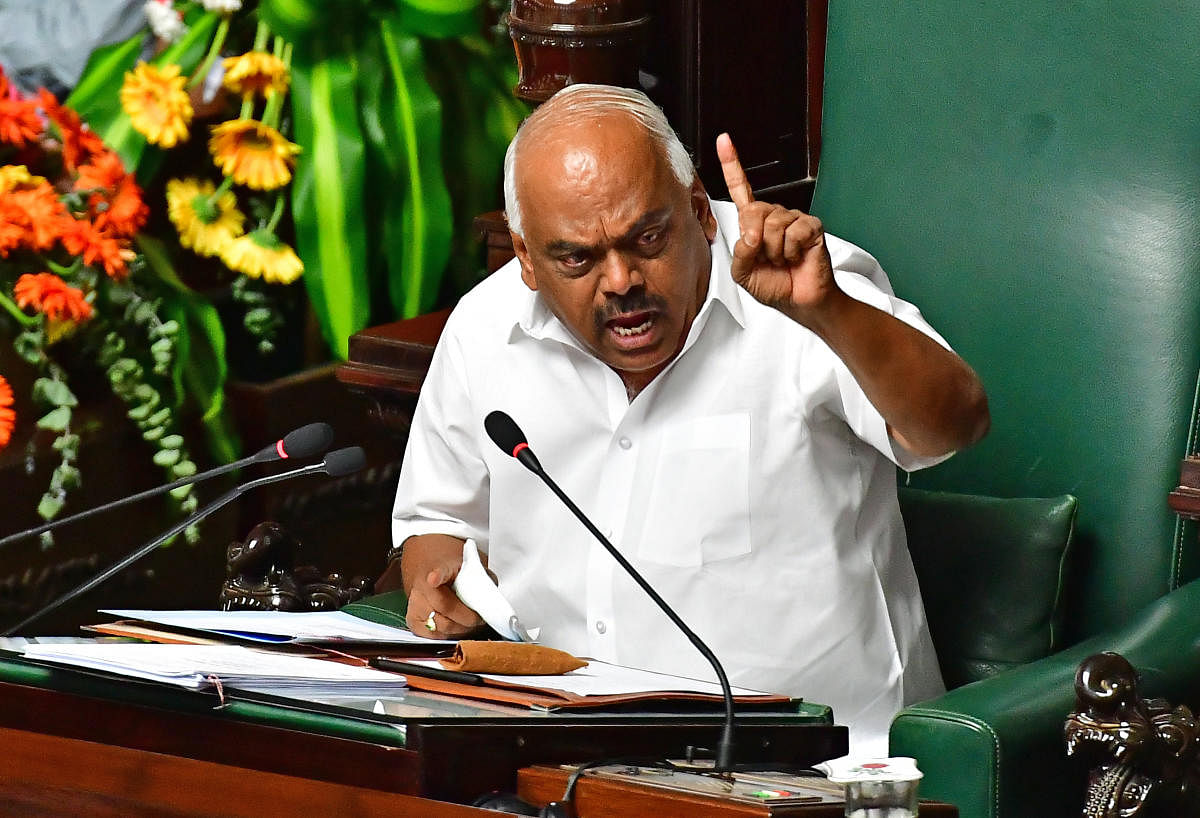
(430,625)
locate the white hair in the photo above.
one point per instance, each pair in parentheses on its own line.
(582,100)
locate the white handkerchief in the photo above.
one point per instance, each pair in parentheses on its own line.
(477,591)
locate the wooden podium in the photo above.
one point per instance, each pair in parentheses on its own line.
(639,791)
(83,743)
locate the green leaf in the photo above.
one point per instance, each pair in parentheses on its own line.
(184,468)
(56,420)
(439,18)
(327,193)
(96,97)
(166,457)
(66,443)
(50,505)
(419,223)
(30,346)
(66,477)
(296,20)
(471,78)
(146,394)
(55,393)
(199,368)
(160,417)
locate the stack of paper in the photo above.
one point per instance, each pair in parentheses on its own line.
(199,666)
(597,685)
(313,628)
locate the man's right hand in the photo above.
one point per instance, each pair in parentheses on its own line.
(429,566)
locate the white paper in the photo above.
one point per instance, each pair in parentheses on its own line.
(195,666)
(303,626)
(475,588)
(604,679)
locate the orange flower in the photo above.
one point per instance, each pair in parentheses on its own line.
(50,295)
(10,235)
(31,217)
(126,211)
(117,200)
(19,122)
(254,154)
(78,143)
(103,171)
(8,418)
(81,238)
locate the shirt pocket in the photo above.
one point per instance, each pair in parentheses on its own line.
(699,505)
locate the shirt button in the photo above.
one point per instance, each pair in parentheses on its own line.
(600,626)
(625,443)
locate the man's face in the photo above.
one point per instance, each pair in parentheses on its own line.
(616,246)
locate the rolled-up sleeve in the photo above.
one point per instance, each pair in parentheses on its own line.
(861,277)
(443,486)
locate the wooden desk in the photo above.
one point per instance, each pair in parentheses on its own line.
(1185,499)
(101,746)
(388,364)
(607,797)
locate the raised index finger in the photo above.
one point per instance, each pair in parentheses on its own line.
(740,191)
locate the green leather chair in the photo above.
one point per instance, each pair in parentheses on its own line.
(1029,175)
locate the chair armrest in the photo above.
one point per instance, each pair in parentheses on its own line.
(995,748)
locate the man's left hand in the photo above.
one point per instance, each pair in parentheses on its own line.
(781,258)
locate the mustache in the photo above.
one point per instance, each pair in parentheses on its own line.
(634,301)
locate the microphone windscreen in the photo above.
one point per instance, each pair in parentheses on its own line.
(307,440)
(504,432)
(344,461)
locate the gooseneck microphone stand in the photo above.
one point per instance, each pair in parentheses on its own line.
(336,463)
(508,436)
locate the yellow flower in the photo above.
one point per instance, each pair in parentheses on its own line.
(205,226)
(18,177)
(158,107)
(256,72)
(254,154)
(262,255)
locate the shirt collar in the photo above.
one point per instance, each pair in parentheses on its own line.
(538,322)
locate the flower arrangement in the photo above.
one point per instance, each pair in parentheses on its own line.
(233,168)
(71,282)
(87,283)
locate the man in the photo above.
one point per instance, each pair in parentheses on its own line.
(723,388)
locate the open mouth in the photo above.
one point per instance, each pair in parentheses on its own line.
(635,330)
(632,328)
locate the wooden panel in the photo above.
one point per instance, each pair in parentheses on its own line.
(1185,499)
(494,753)
(51,775)
(606,798)
(751,68)
(206,737)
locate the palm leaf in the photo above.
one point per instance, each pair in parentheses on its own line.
(420,223)
(327,192)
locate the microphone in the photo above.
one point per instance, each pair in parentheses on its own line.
(505,433)
(336,464)
(303,442)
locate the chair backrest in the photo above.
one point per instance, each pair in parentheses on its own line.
(1029,176)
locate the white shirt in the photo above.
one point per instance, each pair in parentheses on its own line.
(751,483)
